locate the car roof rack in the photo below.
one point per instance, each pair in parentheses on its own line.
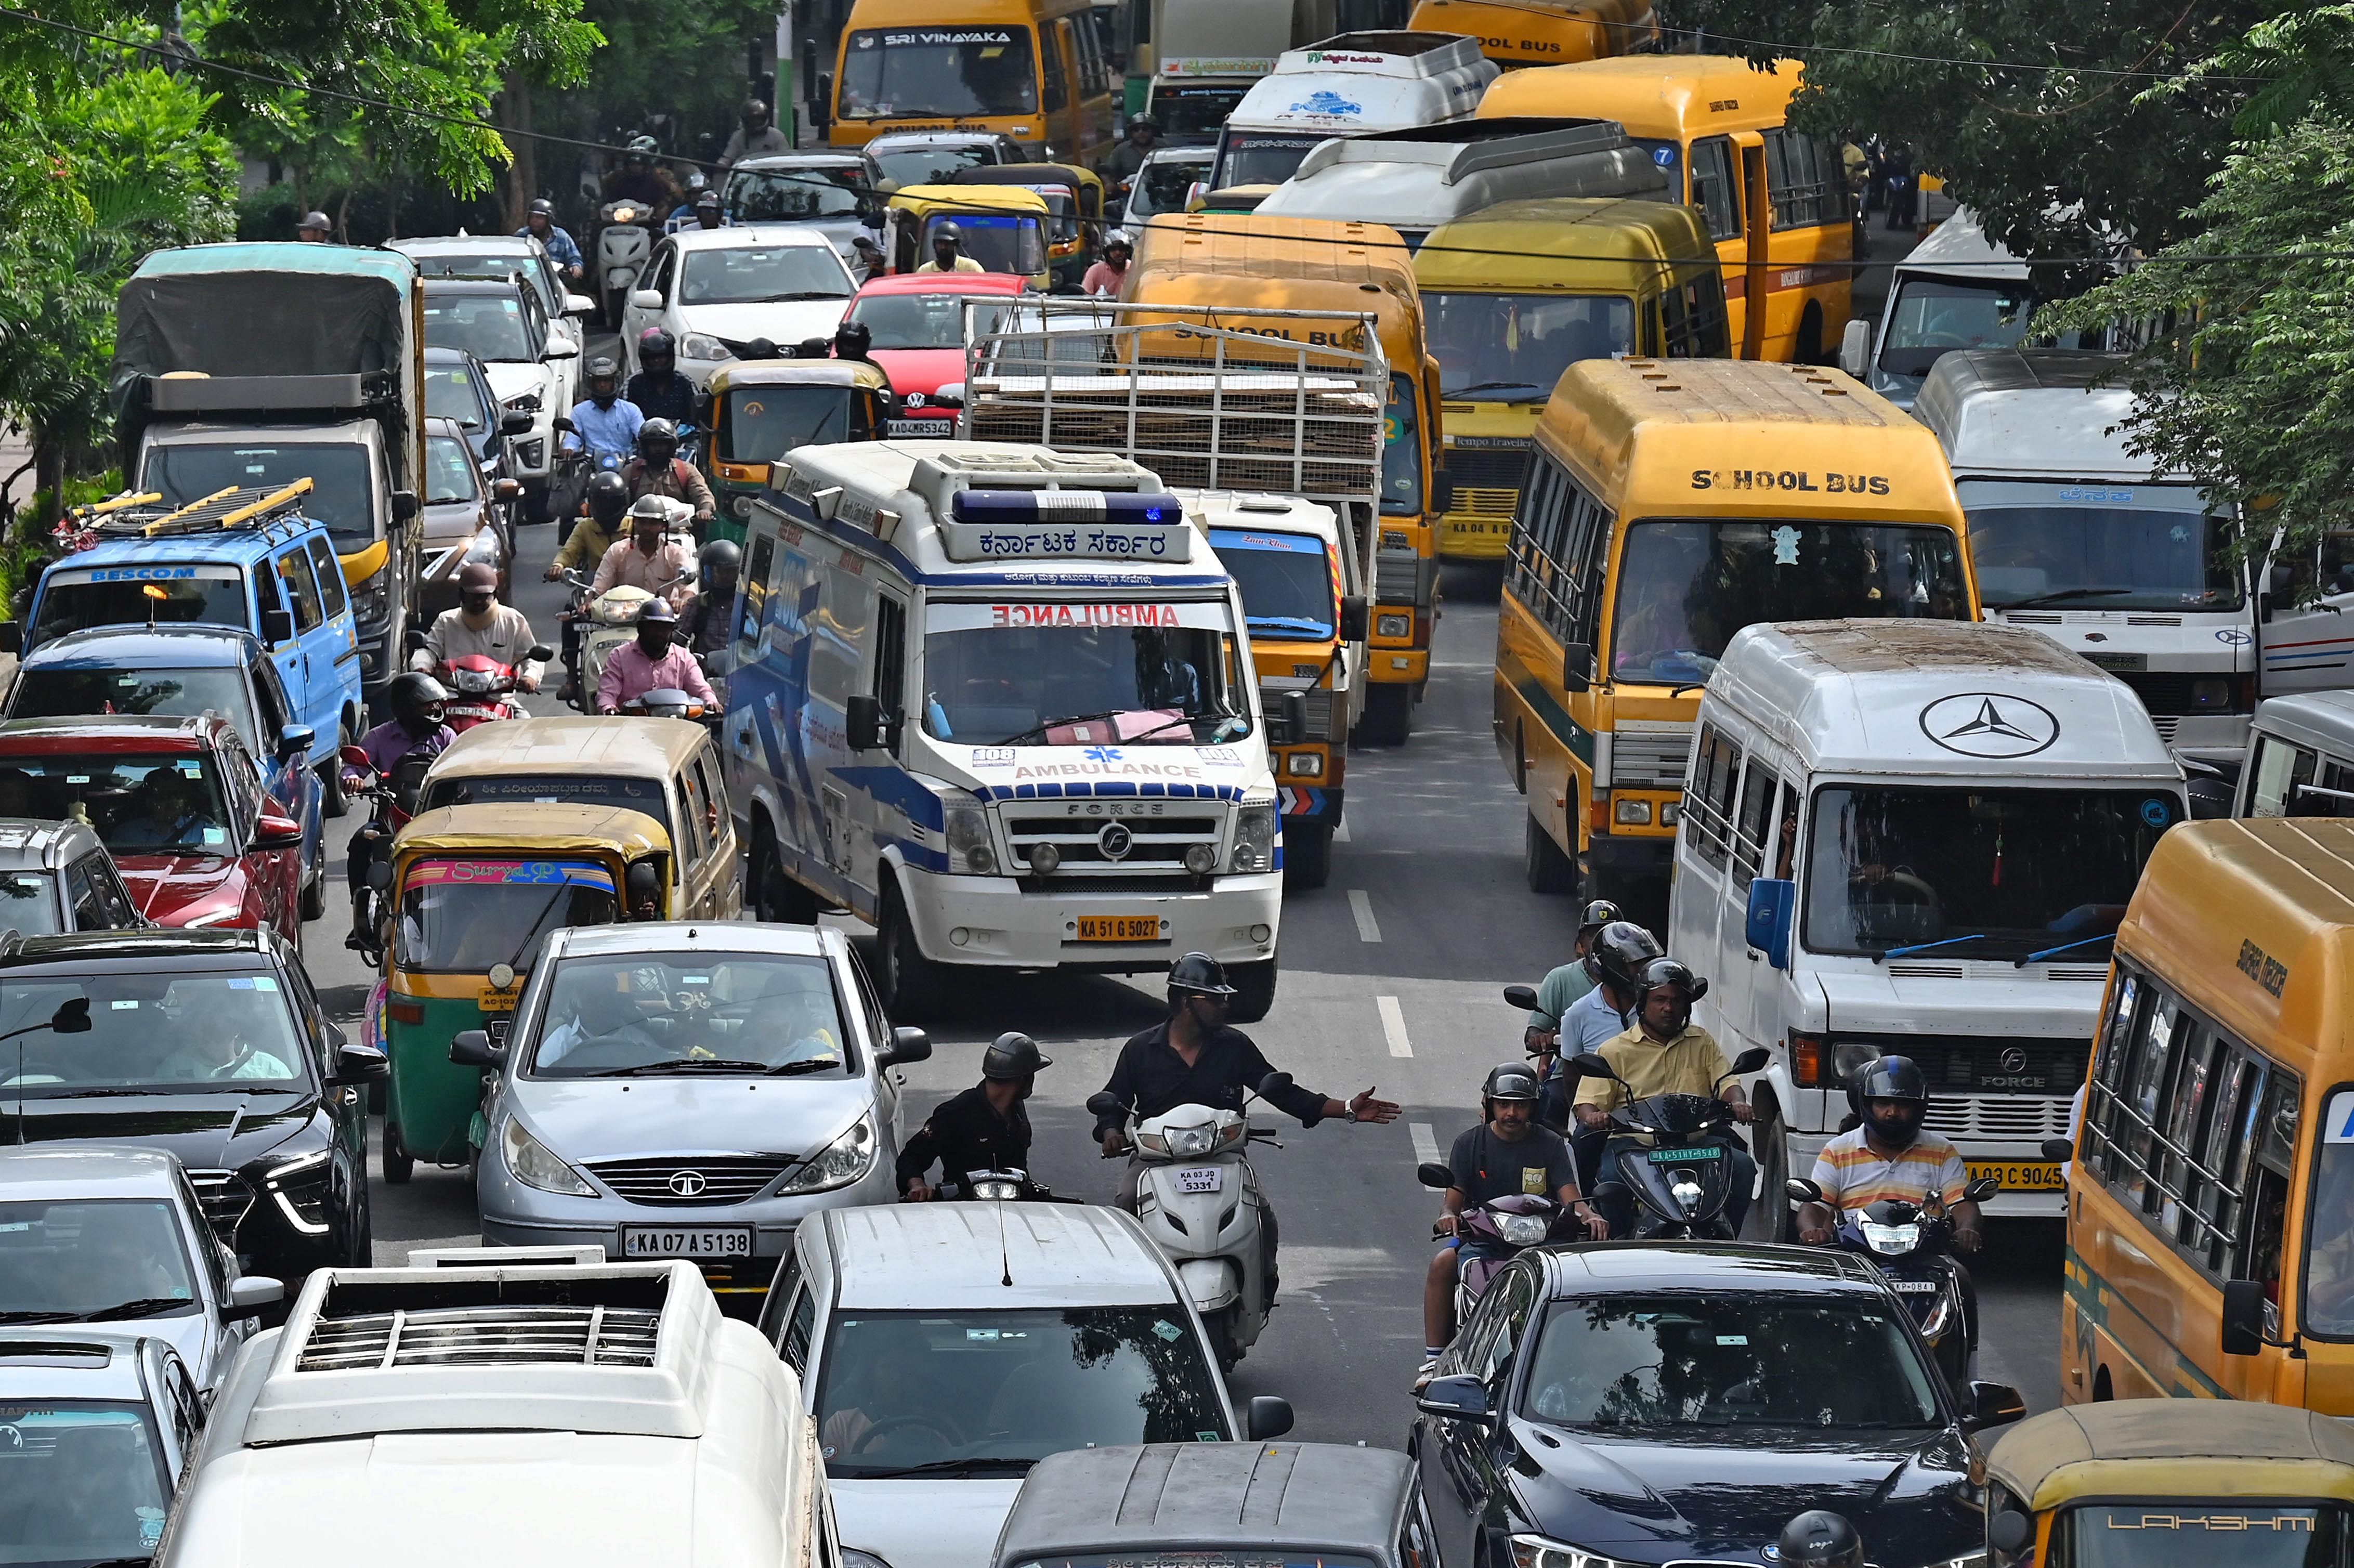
(144,514)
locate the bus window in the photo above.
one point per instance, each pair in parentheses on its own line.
(1716,186)
(1402,454)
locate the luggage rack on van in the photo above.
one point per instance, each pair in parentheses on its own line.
(136,514)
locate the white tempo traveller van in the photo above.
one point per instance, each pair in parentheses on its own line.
(999,700)
(1912,838)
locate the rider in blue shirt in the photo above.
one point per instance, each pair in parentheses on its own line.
(541,226)
(605,422)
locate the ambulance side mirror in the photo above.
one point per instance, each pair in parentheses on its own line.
(862,719)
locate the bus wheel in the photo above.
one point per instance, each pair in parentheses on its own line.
(1547,868)
(1253,989)
(1389,716)
(1307,855)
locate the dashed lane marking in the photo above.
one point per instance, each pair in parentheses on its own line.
(1361,906)
(1393,1025)
(1425,1143)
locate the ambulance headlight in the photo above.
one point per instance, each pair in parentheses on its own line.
(968,846)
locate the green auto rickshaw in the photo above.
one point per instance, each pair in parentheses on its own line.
(763,409)
(476,887)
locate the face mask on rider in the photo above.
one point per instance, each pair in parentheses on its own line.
(1896,1123)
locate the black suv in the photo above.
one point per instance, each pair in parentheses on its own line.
(210,1044)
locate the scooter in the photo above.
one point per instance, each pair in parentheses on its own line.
(623,243)
(612,620)
(1492,1234)
(1009,1185)
(392,801)
(1681,1181)
(1912,1246)
(1198,1199)
(669,701)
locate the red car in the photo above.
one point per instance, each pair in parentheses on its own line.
(917,322)
(179,803)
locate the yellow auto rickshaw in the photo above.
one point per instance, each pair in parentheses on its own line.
(474,889)
(1074,203)
(2148,1483)
(763,409)
(1004,227)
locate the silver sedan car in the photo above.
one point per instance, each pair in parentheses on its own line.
(689,1090)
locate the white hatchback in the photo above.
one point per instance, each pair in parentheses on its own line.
(719,291)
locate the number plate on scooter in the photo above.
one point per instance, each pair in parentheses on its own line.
(1685,1156)
(1914,1286)
(1201,1179)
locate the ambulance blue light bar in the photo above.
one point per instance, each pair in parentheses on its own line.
(1013,507)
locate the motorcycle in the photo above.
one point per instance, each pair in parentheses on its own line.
(573,467)
(612,619)
(1912,1246)
(624,239)
(1198,1199)
(484,688)
(391,802)
(1681,1181)
(1492,1234)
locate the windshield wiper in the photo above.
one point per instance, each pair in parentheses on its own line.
(680,1065)
(2057,595)
(1042,725)
(943,1466)
(2063,947)
(806,1064)
(41,1318)
(1477,386)
(1925,946)
(144,1307)
(786,299)
(1302,623)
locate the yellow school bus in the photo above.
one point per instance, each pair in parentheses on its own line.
(1040,71)
(1775,202)
(2211,1211)
(1321,264)
(1670,503)
(1518,292)
(1516,33)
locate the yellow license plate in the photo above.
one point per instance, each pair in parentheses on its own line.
(2021,1175)
(1119,928)
(490,998)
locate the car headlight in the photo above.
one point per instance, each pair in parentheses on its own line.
(298,1187)
(853,1558)
(1254,838)
(535,1165)
(212,916)
(483,547)
(698,347)
(1941,1317)
(968,846)
(522,403)
(1536,1551)
(846,1159)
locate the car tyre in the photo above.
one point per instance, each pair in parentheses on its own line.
(400,1165)
(912,984)
(1254,986)
(332,800)
(361,1253)
(1546,868)
(315,892)
(1308,855)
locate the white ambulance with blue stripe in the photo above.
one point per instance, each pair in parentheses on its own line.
(999,702)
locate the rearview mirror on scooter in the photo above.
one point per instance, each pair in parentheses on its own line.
(1592,1065)
(1273,1084)
(1980,1191)
(1749,1061)
(1521,996)
(1103,1102)
(1434,1176)
(1798,1190)
(2060,1149)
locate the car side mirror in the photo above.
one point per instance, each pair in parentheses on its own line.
(1992,1404)
(514,422)
(1459,1397)
(1855,348)
(1523,997)
(1576,666)
(580,305)
(277,627)
(250,1293)
(561,350)
(1591,1064)
(404,505)
(1269,1416)
(1295,716)
(2058,1149)
(295,740)
(1357,618)
(2243,1317)
(507,492)
(1442,494)
(1798,1190)
(12,637)
(863,721)
(906,1044)
(645,300)
(1434,1175)
(1772,902)
(475,1048)
(273,832)
(358,1063)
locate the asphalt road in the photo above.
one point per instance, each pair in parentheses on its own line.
(1391,978)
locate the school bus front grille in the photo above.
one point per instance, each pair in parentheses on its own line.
(1488,468)
(1496,503)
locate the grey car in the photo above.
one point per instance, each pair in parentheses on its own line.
(689,1090)
(57,876)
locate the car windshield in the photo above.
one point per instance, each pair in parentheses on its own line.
(467,917)
(1401,449)
(82,1260)
(1000,1390)
(659,1015)
(1000,241)
(28,902)
(174,596)
(764,423)
(1082,674)
(925,321)
(84,1482)
(138,804)
(785,195)
(1162,184)
(1286,580)
(1684,588)
(634,794)
(341,494)
(1989,874)
(1934,316)
(907,73)
(450,471)
(490,327)
(2160,1532)
(151,1030)
(1249,158)
(1752,1359)
(929,163)
(2098,546)
(755,275)
(61,691)
(1194,111)
(1511,348)
(451,394)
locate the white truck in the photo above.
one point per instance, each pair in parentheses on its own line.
(1207,53)
(1344,85)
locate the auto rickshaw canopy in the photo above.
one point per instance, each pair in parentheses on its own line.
(2161,1449)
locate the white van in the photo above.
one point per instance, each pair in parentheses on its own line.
(1357,82)
(1208,53)
(1912,838)
(998,701)
(2301,758)
(2071,535)
(570,1415)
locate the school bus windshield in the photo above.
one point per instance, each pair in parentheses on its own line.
(938,73)
(1511,348)
(1685,587)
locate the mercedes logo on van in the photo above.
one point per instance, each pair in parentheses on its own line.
(1989,725)
(688,1184)
(1114,841)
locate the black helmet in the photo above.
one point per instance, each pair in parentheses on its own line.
(1598,914)
(1890,1078)
(1144,123)
(1819,1540)
(642,881)
(947,231)
(656,611)
(413,693)
(609,497)
(1619,953)
(541,207)
(1662,973)
(1197,974)
(1014,1055)
(658,440)
(753,110)
(851,340)
(717,556)
(656,344)
(1510,1081)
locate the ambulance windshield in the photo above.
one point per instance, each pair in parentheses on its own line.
(1043,674)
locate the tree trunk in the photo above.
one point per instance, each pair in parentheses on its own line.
(521,181)
(344,213)
(48,478)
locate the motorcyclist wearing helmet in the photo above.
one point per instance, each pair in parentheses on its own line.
(754,136)
(1616,956)
(562,248)
(1509,1151)
(1820,1538)
(853,340)
(658,390)
(983,1128)
(316,229)
(643,179)
(604,423)
(480,624)
(1889,1154)
(1124,160)
(654,662)
(1563,985)
(642,889)
(947,252)
(704,626)
(658,470)
(1665,1054)
(652,557)
(607,503)
(416,728)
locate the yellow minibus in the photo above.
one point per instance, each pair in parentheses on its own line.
(2210,1207)
(1040,71)
(1670,503)
(1517,33)
(1518,292)
(1775,201)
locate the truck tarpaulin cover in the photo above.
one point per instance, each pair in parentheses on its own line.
(256,310)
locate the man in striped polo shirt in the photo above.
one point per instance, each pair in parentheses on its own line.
(1889,1155)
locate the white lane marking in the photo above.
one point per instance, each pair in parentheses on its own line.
(1393,1025)
(1425,1143)
(1340,832)
(1363,908)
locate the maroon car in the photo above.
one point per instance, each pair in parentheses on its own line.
(179,803)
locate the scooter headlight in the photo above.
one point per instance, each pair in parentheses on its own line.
(1686,1191)
(472,681)
(1191,1142)
(1522,1230)
(1891,1241)
(1006,1189)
